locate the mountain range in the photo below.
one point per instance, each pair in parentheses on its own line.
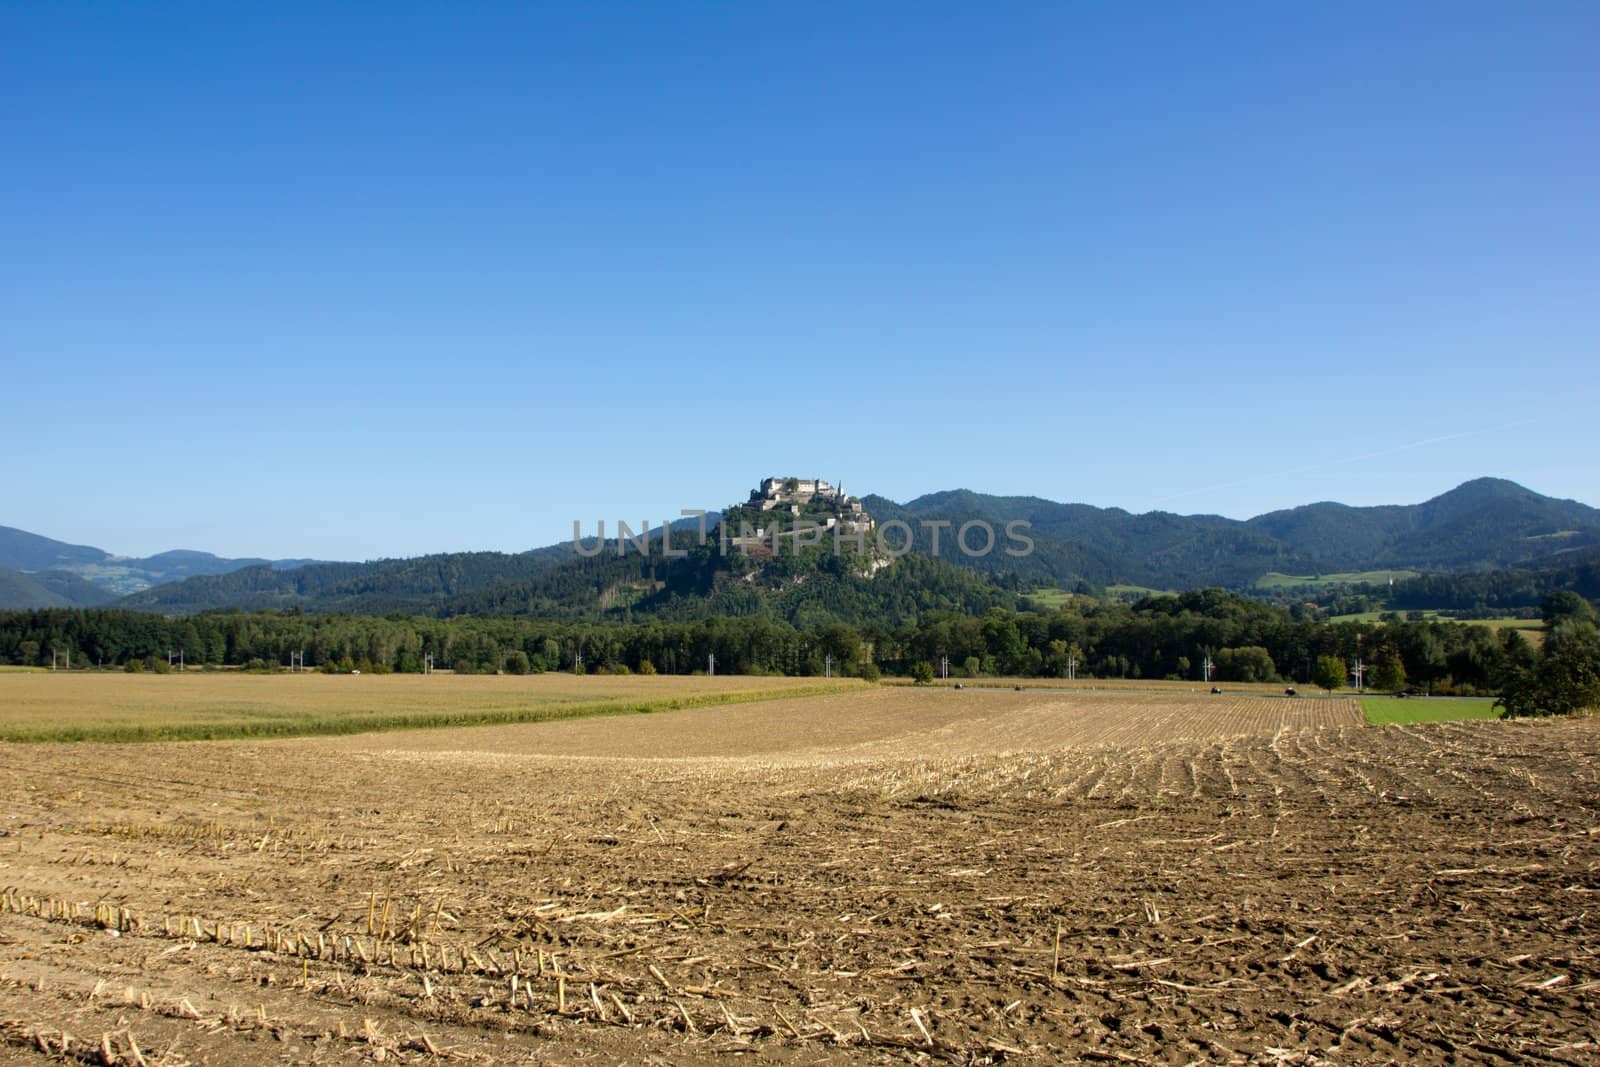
(1481,525)
(57,574)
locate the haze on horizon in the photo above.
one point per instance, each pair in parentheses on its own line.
(364,281)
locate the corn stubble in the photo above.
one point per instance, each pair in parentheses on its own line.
(906,876)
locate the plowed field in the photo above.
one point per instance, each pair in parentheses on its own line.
(887,876)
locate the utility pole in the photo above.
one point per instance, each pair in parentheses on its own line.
(827,665)
(1072,668)
(1359,671)
(1206,667)
(427,663)
(944,667)
(711,664)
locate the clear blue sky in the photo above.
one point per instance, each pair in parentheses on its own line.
(351,280)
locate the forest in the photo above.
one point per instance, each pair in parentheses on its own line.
(1159,637)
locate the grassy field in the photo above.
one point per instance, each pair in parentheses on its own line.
(1131,592)
(1382,711)
(201,706)
(1532,629)
(1128,685)
(1051,597)
(1277,580)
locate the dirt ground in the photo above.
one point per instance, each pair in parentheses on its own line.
(894,876)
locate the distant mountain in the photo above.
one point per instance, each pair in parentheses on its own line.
(49,589)
(24,551)
(32,554)
(1102,546)
(1489,522)
(76,591)
(1482,525)
(558,583)
(414,586)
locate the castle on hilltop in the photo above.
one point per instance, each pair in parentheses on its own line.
(811,495)
(793,493)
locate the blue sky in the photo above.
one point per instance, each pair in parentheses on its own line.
(360,280)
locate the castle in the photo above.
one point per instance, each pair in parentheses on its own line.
(795,494)
(791,492)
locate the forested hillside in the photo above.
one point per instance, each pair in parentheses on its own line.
(1483,525)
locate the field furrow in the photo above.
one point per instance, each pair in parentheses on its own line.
(881,876)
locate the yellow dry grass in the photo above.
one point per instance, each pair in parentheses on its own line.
(195,705)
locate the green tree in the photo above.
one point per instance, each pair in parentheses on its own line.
(1388,672)
(1566,604)
(1250,663)
(1328,673)
(922,672)
(1565,679)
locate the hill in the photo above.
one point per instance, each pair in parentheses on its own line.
(420,586)
(30,553)
(48,589)
(1488,522)
(24,551)
(1483,525)
(815,588)
(20,591)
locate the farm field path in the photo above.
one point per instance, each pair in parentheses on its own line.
(895,877)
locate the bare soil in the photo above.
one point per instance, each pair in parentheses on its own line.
(890,876)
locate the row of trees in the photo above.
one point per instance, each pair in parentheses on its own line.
(1158,637)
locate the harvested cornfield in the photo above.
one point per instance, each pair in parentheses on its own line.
(902,877)
(206,705)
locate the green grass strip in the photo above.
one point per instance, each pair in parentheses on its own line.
(130,733)
(1384,711)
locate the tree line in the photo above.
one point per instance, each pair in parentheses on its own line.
(1159,637)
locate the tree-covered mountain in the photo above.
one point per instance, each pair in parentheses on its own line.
(556,582)
(1482,524)
(24,551)
(421,585)
(115,576)
(48,589)
(1492,592)
(1488,522)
